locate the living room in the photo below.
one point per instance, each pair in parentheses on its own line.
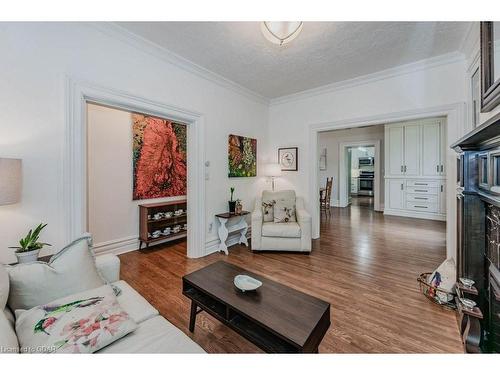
(169,175)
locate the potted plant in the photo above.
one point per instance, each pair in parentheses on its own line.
(29,247)
(232,203)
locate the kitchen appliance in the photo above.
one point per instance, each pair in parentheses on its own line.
(366,179)
(366,161)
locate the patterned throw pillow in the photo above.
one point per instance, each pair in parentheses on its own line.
(268,210)
(81,323)
(284,211)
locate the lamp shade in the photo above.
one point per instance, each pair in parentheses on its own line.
(10,181)
(272,170)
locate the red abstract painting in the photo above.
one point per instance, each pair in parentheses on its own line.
(160,159)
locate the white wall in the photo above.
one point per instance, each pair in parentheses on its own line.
(434,86)
(37,59)
(331,140)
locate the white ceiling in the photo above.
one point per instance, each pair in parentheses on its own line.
(324,52)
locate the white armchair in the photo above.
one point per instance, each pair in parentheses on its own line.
(291,236)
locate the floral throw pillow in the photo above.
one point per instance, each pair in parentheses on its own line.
(268,210)
(284,211)
(81,323)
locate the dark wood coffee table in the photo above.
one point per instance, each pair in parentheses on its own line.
(276,318)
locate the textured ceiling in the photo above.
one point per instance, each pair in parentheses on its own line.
(324,52)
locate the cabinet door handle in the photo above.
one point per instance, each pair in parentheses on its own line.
(441,188)
(405,168)
(401,186)
(437,168)
(421,206)
(442,168)
(420,184)
(401,168)
(421,198)
(421,190)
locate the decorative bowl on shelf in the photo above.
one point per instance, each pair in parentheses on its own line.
(466,282)
(246,283)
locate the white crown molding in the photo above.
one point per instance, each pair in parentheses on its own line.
(115,31)
(445,59)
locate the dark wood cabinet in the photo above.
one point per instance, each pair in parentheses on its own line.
(157,217)
(478,212)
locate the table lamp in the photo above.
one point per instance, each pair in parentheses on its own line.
(272,170)
(10,181)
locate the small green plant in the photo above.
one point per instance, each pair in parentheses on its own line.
(30,242)
(232,191)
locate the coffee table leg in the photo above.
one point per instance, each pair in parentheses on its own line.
(192,316)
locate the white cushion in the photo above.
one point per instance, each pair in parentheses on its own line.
(81,323)
(70,271)
(109,267)
(290,230)
(156,335)
(284,211)
(8,337)
(134,304)
(4,287)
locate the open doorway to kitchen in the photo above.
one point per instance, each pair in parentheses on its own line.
(361,176)
(353,158)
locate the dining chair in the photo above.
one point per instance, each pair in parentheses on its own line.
(325,196)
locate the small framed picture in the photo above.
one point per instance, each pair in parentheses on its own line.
(288,158)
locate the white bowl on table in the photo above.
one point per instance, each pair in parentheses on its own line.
(246,283)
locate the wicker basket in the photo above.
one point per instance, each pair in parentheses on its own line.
(431,292)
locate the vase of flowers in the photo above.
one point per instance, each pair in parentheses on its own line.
(29,246)
(232,202)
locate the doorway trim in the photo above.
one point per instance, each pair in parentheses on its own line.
(77,95)
(343,183)
(455,114)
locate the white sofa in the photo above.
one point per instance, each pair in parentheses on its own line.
(293,236)
(155,334)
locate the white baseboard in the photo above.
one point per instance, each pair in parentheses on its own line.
(232,239)
(128,244)
(334,203)
(119,246)
(416,215)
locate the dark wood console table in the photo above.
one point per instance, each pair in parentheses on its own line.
(276,318)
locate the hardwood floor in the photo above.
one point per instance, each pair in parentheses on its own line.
(365,265)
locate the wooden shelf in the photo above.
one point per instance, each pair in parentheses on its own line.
(171,236)
(475,312)
(465,289)
(152,221)
(148,226)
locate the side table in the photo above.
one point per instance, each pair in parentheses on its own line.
(226,227)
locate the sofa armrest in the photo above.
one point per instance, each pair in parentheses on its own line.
(303,216)
(109,267)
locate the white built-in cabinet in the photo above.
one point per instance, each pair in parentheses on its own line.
(415,173)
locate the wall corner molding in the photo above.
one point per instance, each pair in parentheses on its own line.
(115,31)
(430,63)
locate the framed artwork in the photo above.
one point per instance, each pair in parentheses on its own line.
(322,160)
(242,156)
(288,158)
(159,157)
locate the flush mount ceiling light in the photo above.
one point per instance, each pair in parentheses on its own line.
(281,32)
